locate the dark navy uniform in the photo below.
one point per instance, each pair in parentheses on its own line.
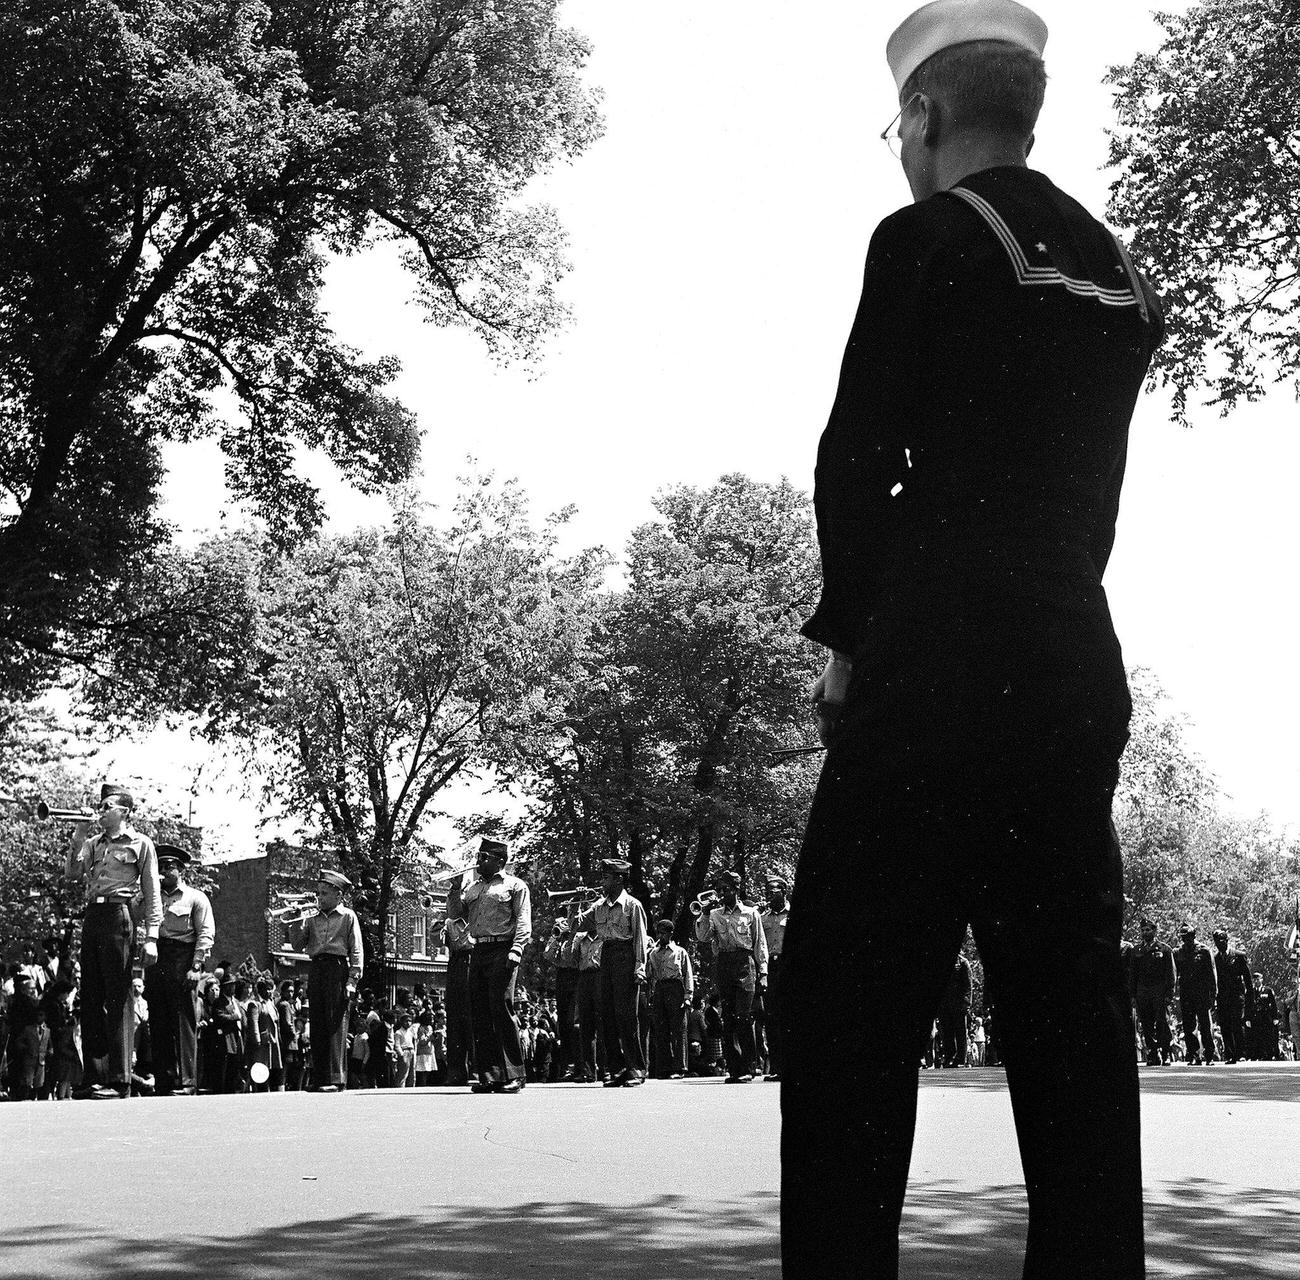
(967,489)
(1233,972)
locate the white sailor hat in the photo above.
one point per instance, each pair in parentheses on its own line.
(944,23)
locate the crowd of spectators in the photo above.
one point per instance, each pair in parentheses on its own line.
(254,1034)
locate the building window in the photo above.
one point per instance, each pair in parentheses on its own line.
(390,935)
(417,936)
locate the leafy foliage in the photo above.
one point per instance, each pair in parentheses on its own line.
(695,674)
(1208,145)
(173,177)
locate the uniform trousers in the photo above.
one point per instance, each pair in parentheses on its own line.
(460,1030)
(952,1035)
(566,1013)
(1152,1015)
(107,1006)
(767,1015)
(734,974)
(668,1012)
(1195,1014)
(327,999)
(1023,849)
(498,1055)
(173,1022)
(1232,1022)
(591,1034)
(620,997)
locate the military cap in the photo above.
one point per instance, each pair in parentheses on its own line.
(1146,923)
(335,878)
(944,23)
(124,797)
(727,877)
(498,848)
(561,926)
(1220,932)
(617,866)
(175,852)
(1186,927)
(779,881)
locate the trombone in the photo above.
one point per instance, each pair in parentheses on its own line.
(292,908)
(705,902)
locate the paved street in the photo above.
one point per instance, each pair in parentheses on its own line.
(668,1182)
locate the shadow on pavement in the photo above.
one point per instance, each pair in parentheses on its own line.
(950,1232)
(1260,1081)
(1194,1229)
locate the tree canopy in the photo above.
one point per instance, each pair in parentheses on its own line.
(696,673)
(1208,147)
(173,179)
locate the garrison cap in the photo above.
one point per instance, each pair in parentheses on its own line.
(944,23)
(779,882)
(1187,927)
(617,866)
(335,878)
(1220,932)
(175,853)
(124,797)
(497,848)
(727,877)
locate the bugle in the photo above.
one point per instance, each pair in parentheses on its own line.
(572,895)
(705,902)
(293,908)
(48,813)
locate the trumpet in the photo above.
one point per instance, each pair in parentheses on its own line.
(705,902)
(293,908)
(581,893)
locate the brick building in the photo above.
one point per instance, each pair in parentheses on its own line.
(250,886)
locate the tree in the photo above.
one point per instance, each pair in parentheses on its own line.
(380,666)
(173,179)
(695,674)
(1208,145)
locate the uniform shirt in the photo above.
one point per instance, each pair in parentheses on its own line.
(1233,973)
(622,920)
(336,934)
(589,949)
(1153,967)
(187,917)
(737,929)
(1197,978)
(968,479)
(499,908)
(120,869)
(774,929)
(670,964)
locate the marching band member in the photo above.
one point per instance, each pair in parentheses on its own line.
(619,921)
(740,966)
(499,913)
(672,986)
(118,868)
(332,941)
(767,1010)
(185,940)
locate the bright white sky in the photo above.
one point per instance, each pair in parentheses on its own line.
(718,233)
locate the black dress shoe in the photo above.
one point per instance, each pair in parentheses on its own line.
(510,1086)
(107,1092)
(631,1080)
(482,1086)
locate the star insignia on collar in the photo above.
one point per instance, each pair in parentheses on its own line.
(1041,247)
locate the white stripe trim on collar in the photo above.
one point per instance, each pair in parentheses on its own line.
(1040,276)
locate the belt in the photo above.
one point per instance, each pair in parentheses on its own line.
(106,901)
(176,942)
(329,955)
(500,937)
